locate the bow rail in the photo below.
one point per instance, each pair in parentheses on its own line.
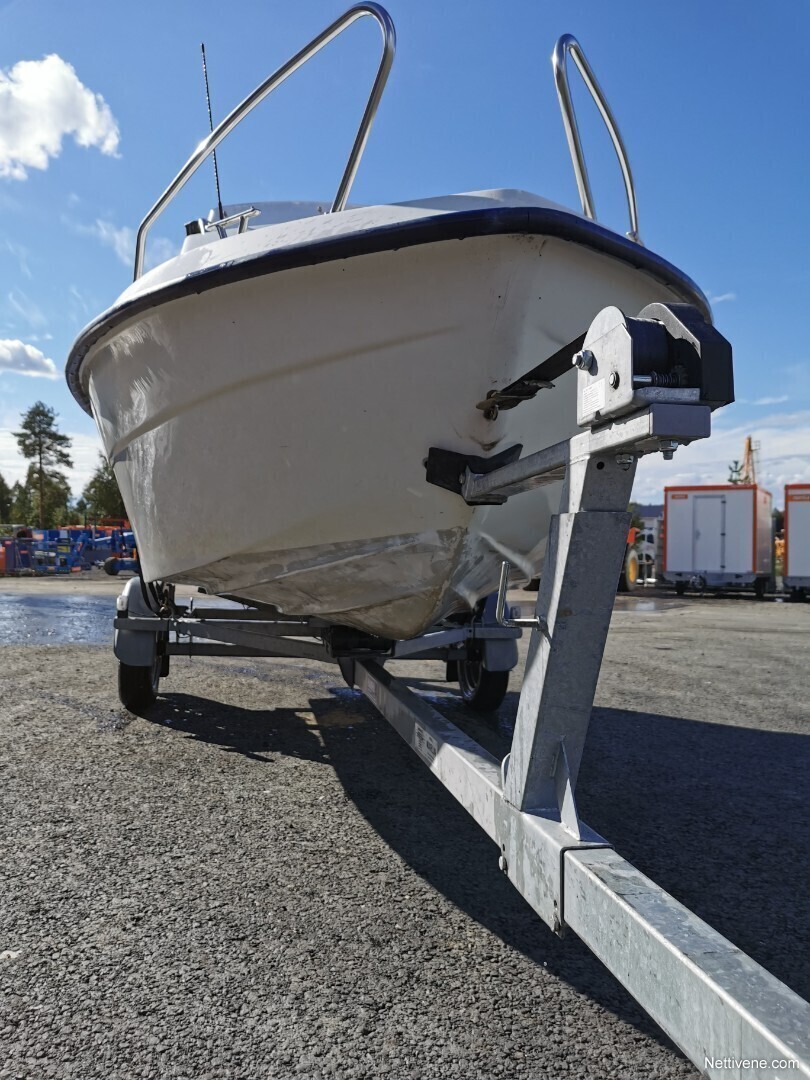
(209,145)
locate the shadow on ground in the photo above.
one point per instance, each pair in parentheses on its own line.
(717,815)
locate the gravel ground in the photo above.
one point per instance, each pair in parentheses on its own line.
(261,880)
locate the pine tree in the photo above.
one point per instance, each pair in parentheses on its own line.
(102,495)
(6,500)
(40,441)
(22,506)
(53,504)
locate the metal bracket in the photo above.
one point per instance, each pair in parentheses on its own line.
(220,227)
(534,622)
(449,469)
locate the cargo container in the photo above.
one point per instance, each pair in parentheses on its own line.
(796,574)
(718,537)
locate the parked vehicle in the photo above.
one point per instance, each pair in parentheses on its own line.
(718,536)
(796,572)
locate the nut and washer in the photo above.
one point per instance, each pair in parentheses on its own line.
(583,360)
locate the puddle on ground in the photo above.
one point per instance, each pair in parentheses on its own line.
(647,604)
(56,620)
(623,603)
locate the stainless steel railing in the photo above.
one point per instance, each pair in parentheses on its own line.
(359,11)
(568,45)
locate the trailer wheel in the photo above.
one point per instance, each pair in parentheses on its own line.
(112,566)
(482,690)
(760,585)
(797,595)
(680,587)
(138,686)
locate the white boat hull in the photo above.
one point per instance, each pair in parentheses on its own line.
(269,435)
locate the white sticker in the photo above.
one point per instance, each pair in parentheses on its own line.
(593,397)
(424,744)
(370,690)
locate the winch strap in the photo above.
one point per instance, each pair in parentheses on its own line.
(539,378)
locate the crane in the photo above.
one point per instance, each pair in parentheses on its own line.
(745,472)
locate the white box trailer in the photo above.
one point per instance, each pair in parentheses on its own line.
(718,536)
(796,573)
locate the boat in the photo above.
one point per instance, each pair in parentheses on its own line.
(270,397)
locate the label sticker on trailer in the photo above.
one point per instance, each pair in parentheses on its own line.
(424,744)
(593,397)
(683,496)
(798,498)
(368,686)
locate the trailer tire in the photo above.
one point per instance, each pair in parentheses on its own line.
(482,690)
(138,686)
(112,566)
(680,587)
(797,595)
(760,587)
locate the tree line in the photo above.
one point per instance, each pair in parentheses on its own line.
(44,498)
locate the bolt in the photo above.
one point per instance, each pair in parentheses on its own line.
(624,461)
(503,864)
(583,360)
(614,380)
(668,447)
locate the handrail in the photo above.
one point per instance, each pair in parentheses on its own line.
(359,11)
(566,45)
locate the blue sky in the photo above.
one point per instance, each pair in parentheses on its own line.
(710,98)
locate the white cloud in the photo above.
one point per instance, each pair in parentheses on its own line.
(121,240)
(722,298)
(771,400)
(84,451)
(41,102)
(22,359)
(26,308)
(79,299)
(784,457)
(160,250)
(20,253)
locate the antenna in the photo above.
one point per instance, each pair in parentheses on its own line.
(211,127)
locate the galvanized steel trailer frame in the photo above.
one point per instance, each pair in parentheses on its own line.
(729,1015)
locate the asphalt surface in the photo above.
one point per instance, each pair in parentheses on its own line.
(260,880)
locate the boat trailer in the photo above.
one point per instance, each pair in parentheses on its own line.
(645,385)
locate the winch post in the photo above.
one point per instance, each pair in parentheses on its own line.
(583,559)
